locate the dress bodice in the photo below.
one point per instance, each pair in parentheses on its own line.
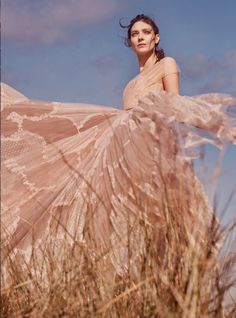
(149,80)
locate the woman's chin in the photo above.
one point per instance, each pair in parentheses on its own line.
(142,51)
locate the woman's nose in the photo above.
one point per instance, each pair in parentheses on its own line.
(140,37)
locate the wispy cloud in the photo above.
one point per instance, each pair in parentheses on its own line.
(48,21)
(212,74)
(10,77)
(107,63)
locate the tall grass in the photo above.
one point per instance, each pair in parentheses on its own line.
(178,271)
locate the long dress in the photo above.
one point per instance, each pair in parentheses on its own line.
(91,172)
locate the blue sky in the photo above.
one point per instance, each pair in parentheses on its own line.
(73,51)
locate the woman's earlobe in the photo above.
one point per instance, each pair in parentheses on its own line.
(157,39)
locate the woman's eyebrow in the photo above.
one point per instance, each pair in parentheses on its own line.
(144,29)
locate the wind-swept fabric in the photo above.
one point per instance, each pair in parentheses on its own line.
(96,173)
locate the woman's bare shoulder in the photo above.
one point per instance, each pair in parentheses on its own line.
(170,65)
(169,60)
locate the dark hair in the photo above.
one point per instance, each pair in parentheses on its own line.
(141,17)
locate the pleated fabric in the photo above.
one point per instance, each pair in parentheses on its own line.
(96,174)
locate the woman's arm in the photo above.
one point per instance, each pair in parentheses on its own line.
(171,76)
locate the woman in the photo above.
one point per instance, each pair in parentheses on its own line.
(95,175)
(144,38)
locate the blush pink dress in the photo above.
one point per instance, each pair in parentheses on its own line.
(73,169)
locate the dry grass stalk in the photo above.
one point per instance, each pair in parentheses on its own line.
(176,274)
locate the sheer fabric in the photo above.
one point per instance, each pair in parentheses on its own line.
(74,169)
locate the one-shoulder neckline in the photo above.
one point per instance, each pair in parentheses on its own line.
(151,66)
(148,68)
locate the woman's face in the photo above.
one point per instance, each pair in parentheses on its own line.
(143,38)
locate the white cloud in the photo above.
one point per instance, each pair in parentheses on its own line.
(49,21)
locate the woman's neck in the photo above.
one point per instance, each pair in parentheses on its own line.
(145,61)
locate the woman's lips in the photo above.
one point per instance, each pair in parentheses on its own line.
(141,44)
